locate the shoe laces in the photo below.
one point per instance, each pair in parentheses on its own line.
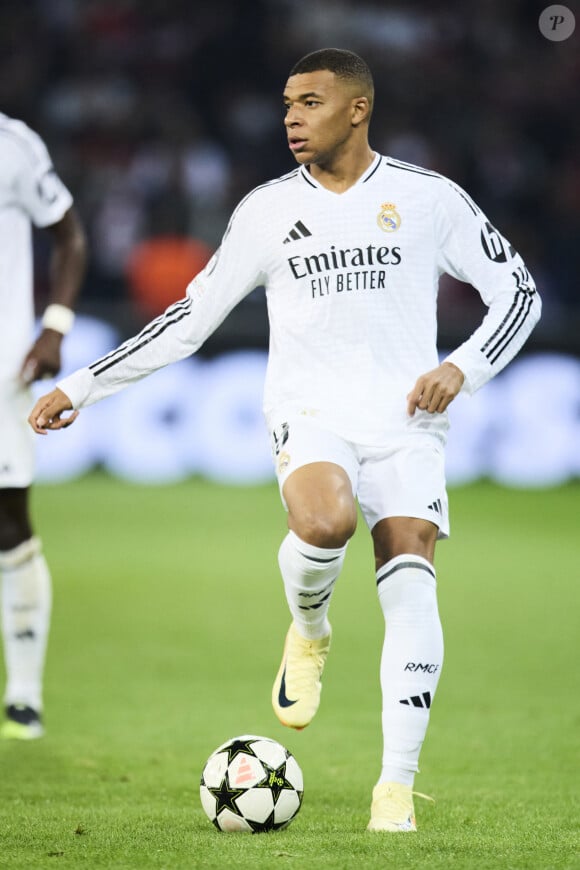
(425,797)
(399,796)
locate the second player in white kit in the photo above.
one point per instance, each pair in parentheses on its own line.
(31,194)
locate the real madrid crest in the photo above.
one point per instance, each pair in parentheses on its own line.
(283,461)
(389,218)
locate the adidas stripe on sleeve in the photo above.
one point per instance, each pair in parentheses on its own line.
(232,273)
(472,250)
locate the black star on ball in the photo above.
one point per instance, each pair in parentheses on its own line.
(225,797)
(237,746)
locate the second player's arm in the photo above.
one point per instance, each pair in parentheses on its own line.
(67,268)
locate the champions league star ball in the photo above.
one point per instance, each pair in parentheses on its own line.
(251,784)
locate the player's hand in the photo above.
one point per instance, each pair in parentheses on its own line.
(436,389)
(43,358)
(47,412)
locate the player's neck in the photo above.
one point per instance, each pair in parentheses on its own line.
(343,171)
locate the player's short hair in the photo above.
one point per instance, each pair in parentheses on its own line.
(344,64)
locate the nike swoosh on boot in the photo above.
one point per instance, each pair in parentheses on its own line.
(283,700)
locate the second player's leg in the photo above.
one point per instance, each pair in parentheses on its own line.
(26,605)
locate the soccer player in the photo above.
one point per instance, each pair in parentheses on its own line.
(30,193)
(349,246)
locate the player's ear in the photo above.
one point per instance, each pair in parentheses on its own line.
(360,110)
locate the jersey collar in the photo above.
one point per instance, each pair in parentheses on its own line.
(370,171)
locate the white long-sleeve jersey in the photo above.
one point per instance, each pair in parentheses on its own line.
(30,193)
(351,285)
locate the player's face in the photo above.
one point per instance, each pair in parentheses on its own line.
(320,110)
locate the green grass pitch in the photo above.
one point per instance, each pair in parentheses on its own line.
(169,619)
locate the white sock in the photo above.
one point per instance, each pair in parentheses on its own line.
(26,606)
(309,574)
(411,661)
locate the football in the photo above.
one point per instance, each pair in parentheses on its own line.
(251,784)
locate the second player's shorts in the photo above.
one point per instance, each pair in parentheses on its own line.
(16,436)
(402,479)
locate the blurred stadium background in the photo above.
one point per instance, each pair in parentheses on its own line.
(160,116)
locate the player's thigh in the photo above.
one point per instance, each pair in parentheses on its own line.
(16,438)
(317,475)
(15,527)
(403,484)
(16,464)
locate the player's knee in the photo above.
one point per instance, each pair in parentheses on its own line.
(14,530)
(15,525)
(322,529)
(12,535)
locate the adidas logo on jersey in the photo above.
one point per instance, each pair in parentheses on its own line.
(436,506)
(298,231)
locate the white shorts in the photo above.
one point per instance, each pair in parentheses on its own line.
(16,437)
(402,479)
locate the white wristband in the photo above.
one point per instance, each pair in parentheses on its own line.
(58,317)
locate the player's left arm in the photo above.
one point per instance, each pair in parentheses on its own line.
(472,250)
(66,272)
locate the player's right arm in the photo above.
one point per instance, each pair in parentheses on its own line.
(48,411)
(233,272)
